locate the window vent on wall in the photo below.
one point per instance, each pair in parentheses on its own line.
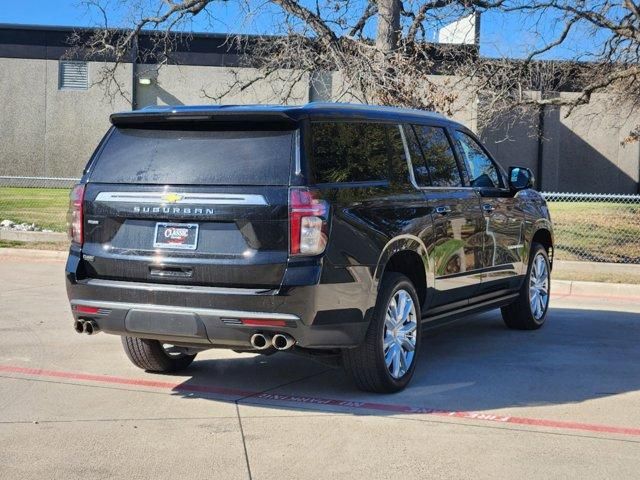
(73,75)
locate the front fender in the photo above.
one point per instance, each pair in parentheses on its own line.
(536,226)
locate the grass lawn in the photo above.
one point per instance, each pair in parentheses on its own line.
(46,207)
(62,246)
(595,276)
(603,231)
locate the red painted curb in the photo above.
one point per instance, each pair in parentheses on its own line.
(302,399)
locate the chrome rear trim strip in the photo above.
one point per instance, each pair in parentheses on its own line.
(175,198)
(198,311)
(161,287)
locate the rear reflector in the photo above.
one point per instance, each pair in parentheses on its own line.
(85,309)
(264,322)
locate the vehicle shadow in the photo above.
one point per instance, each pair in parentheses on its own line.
(473,365)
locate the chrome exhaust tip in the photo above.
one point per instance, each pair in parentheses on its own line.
(282,341)
(91,327)
(260,341)
(78,326)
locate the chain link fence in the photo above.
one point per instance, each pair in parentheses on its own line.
(34,203)
(596,227)
(588,227)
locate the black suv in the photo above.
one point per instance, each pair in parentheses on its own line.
(338,231)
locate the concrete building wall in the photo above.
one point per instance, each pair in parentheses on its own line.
(46,131)
(591,149)
(514,142)
(515,145)
(22,122)
(50,132)
(330,86)
(464,107)
(582,152)
(76,120)
(184,85)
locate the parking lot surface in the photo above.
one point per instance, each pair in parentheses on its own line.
(486,402)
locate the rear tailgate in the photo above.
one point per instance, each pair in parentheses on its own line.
(179,206)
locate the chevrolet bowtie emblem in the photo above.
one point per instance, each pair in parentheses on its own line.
(172,197)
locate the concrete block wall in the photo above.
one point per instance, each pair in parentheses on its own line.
(582,152)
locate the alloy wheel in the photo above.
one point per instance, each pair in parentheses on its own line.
(399,338)
(539,287)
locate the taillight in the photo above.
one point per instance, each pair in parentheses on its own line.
(307,222)
(74,215)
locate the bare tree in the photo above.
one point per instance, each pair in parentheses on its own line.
(606,62)
(382,53)
(378,48)
(388,26)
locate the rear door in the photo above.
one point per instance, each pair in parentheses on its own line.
(190,204)
(458,223)
(503,216)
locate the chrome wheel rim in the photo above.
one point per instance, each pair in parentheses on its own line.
(539,287)
(399,338)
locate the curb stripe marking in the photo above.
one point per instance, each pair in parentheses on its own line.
(309,400)
(88,377)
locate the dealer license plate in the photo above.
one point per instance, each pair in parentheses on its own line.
(176,235)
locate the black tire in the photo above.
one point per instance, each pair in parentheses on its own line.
(518,315)
(150,355)
(366,363)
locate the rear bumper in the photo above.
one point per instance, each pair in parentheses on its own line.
(325,315)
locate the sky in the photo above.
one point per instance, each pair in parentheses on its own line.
(502,35)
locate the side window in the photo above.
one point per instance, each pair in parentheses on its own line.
(352,152)
(420,170)
(482,171)
(439,157)
(398,165)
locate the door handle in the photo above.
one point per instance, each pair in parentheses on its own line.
(443,209)
(487,207)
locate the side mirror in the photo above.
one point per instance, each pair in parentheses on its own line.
(521,178)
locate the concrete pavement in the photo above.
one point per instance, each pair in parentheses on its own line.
(486,402)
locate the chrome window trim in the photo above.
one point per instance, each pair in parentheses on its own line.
(297,152)
(407,155)
(187,198)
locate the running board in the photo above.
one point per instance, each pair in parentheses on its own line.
(452,315)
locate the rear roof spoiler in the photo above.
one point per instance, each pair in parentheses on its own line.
(278,114)
(142,117)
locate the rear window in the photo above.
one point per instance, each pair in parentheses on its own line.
(356,152)
(195,157)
